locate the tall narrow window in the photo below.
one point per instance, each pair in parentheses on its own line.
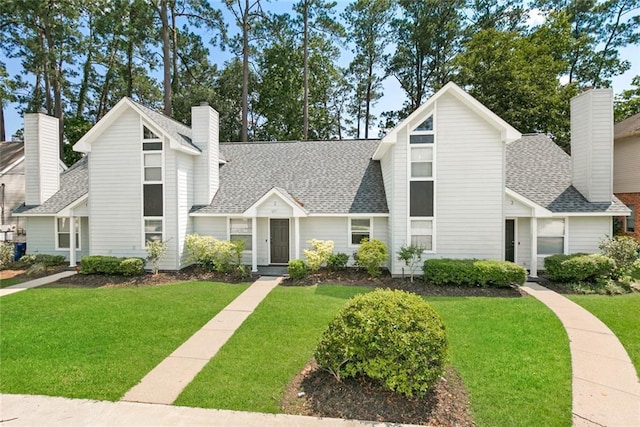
(152,187)
(421,148)
(63,233)
(240,230)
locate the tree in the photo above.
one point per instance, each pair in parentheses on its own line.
(367,26)
(502,15)
(516,76)
(246,16)
(627,103)
(427,36)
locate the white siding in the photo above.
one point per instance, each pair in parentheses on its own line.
(184,191)
(263,242)
(115,186)
(469,219)
(592,144)
(204,124)
(211,226)
(41,237)
(398,209)
(626,158)
(274,207)
(523,246)
(42,157)
(513,208)
(585,233)
(170,261)
(13,194)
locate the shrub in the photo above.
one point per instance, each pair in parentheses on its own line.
(473,272)
(102,264)
(297,269)
(44,259)
(322,250)
(156,250)
(625,251)
(337,261)
(226,255)
(412,256)
(392,337)
(578,267)
(6,254)
(371,255)
(200,250)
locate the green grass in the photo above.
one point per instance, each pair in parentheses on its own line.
(98,343)
(621,314)
(251,371)
(10,282)
(513,355)
(636,274)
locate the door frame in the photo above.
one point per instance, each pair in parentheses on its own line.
(515,239)
(288,241)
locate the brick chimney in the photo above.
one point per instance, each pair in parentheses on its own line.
(204,131)
(592,144)
(42,157)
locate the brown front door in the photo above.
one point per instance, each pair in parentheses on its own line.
(510,240)
(279,241)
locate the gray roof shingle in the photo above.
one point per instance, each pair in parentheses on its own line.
(74,183)
(330,177)
(540,171)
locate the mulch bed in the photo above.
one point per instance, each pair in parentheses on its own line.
(315,392)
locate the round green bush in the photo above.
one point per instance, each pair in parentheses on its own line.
(393,337)
(297,269)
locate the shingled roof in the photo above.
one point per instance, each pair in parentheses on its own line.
(10,152)
(176,130)
(627,128)
(324,177)
(74,183)
(541,171)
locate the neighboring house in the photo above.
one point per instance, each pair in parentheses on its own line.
(12,187)
(626,171)
(452,177)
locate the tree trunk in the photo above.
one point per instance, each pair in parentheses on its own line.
(174,55)
(305,73)
(3,136)
(368,101)
(129,70)
(245,74)
(166,58)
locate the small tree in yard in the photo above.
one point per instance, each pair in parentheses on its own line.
(322,250)
(6,255)
(371,254)
(412,257)
(155,250)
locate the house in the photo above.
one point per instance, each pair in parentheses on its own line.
(626,172)
(12,188)
(452,177)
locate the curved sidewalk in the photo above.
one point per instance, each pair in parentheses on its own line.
(606,391)
(35,283)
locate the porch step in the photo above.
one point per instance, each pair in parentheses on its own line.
(272,270)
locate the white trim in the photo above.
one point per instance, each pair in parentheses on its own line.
(56,232)
(515,238)
(254,244)
(241,218)
(565,237)
(66,211)
(322,215)
(269,239)
(350,243)
(162,140)
(533,261)
(252,211)
(12,165)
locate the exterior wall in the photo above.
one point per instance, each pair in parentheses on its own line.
(115,190)
(184,196)
(592,144)
(515,209)
(274,207)
(469,219)
(626,158)
(204,125)
(631,199)
(42,157)
(523,242)
(13,195)
(399,204)
(585,233)
(41,238)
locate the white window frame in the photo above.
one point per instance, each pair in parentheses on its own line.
(78,233)
(143,181)
(350,230)
(565,236)
(250,234)
(432,178)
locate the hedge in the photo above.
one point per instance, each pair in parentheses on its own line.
(579,267)
(473,272)
(102,264)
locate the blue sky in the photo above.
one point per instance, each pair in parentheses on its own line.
(393,95)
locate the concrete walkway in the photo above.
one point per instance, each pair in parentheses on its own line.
(35,283)
(606,391)
(21,410)
(167,380)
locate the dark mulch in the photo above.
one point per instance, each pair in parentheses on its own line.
(315,392)
(358,277)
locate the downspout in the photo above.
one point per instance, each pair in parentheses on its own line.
(2,205)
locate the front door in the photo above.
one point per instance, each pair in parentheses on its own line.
(279,241)
(510,240)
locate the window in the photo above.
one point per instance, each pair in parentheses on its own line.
(631,220)
(63,233)
(422,234)
(152,200)
(360,228)
(421,198)
(152,230)
(551,236)
(148,134)
(421,162)
(240,229)
(153,166)
(421,139)
(427,125)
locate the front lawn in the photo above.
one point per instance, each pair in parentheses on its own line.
(621,314)
(512,353)
(98,343)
